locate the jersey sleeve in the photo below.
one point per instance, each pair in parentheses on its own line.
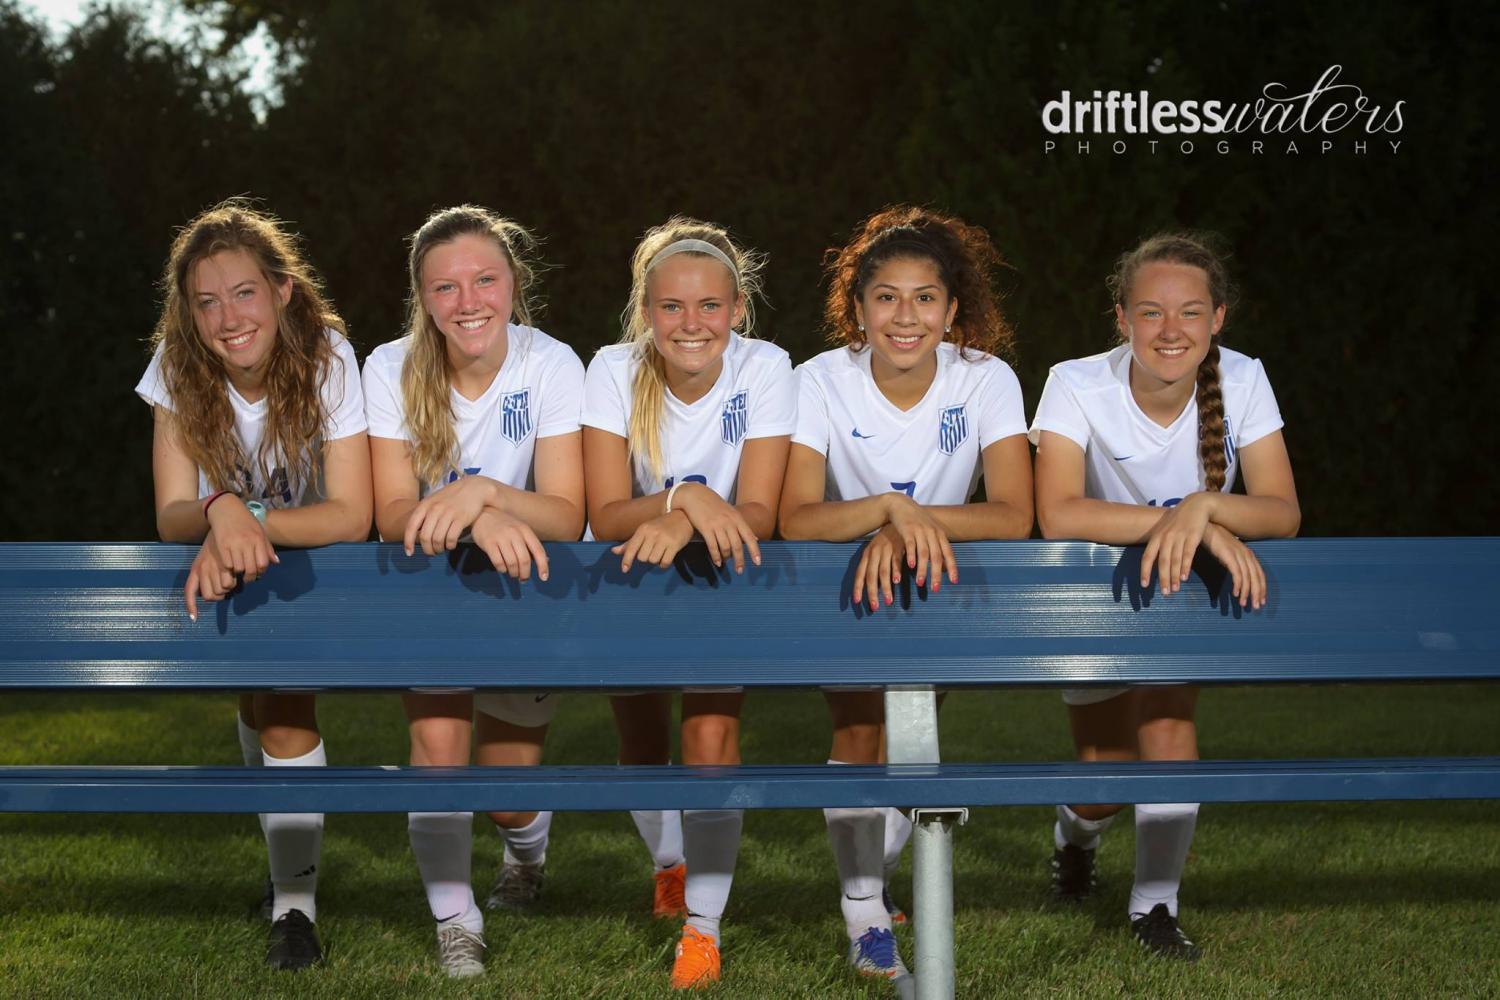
(1001,411)
(1262,416)
(562,394)
(812,412)
(603,399)
(383,407)
(1058,411)
(151,388)
(773,404)
(343,399)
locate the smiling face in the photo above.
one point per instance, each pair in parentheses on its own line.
(904,310)
(235,310)
(1170,320)
(467,289)
(691,304)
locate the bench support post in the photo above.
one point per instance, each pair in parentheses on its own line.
(911,737)
(932,889)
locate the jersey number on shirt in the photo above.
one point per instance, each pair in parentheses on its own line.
(453,476)
(695,478)
(910,489)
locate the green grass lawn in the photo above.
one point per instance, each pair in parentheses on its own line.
(1360,900)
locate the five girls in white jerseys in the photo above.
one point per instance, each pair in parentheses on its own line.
(259,442)
(474,421)
(1142,445)
(895,428)
(686,424)
(474,429)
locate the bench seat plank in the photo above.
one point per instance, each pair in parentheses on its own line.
(609,788)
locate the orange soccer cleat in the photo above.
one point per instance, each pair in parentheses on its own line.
(697,963)
(668,900)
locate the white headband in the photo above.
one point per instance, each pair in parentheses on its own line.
(695,246)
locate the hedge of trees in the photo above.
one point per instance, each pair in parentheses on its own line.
(1366,284)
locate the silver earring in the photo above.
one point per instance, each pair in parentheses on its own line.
(861,328)
(947,329)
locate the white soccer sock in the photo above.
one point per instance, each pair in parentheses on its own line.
(250,753)
(1163,834)
(527,845)
(1072,828)
(661,829)
(444,846)
(897,833)
(858,836)
(294,842)
(711,843)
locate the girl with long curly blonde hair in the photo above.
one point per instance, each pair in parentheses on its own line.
(259,442)
(474,428)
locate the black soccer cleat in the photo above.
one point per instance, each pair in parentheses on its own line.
(1073,877)
(293,943)
(1159,934)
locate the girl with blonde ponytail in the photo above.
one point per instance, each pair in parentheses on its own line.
(474,429)
(259,443)
(1142,445)
(686,424)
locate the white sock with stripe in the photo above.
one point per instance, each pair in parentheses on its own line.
(294,842)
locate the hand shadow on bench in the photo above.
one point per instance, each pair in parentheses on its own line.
(286,580)
(691,568)
(904,592)
(1207,573)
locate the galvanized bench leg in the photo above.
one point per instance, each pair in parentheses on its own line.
(911,736)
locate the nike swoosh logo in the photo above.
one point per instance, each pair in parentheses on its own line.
(543,697)
(857,434)
(1123,458)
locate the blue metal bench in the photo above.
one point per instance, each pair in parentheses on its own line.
(1052,614)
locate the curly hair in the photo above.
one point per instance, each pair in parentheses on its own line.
(1192,250)
(425,384)
(300,361)
(648,390)
(966,261)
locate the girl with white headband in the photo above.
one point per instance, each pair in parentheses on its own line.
(894,429)
(686,425)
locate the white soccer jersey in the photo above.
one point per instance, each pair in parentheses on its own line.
(930,452)
(754,397)
(535,394)
(1129,457)
(342,401)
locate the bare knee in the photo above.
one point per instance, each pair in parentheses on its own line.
(858,743)
(440,740)
(1168,739)
(710,739)
(512,821)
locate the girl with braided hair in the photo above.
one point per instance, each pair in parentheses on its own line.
(1142,444)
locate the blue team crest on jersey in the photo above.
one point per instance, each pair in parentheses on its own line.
(515,415)
(953,428)
(735,419)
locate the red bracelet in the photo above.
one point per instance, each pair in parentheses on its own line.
(210,501)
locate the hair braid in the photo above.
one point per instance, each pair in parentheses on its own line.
(1210,397)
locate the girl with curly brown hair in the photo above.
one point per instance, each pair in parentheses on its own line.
(259,442)
(895,428)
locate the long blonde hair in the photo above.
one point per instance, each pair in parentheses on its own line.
(425,380)
(300,362)
(648,390)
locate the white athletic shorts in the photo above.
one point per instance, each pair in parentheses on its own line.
(528,709)
(1090,696)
